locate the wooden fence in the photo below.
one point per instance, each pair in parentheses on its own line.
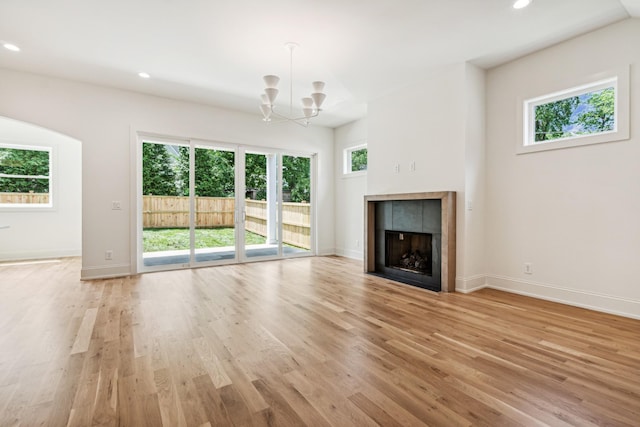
(214,212)
(296,221)
(24,198)
(173,212)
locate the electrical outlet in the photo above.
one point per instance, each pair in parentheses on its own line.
(528,268)
(396,168)
(412,166)
(357,243)
(108,255)
(116,205)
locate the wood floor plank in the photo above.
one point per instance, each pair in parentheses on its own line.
(83,338)
(374,412)
(307,341)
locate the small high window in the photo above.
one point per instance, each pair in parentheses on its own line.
(355,159)
(587,114)
(25,176)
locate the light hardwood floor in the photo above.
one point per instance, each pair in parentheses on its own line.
(310,341)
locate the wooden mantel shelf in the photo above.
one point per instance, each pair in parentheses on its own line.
(448,206)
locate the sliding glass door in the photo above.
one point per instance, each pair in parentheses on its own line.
(214,191)
(261,213)
(296,205)
(206,204)
(165,216)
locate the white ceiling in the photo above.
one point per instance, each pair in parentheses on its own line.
(216,51)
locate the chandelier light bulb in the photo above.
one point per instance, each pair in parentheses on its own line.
(271,94)
(271,81)
(318,86)
(318,99)
(308,112)
(307,102)
(264,99)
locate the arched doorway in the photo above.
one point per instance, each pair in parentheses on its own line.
(44,220)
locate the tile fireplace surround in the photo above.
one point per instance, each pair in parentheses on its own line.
(447,230)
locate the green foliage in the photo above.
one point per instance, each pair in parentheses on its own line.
(33,163)
(296,178)
(359,160)
(586,114)
(214,172)
(552,118)
(600,117)
(256,174)
(158,175)
(168,174)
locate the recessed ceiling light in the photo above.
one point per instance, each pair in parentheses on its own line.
(144,75)
(11,47)
(519,4)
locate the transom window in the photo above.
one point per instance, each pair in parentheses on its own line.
(590,113)
(575,113)
(355,159)
(25,176)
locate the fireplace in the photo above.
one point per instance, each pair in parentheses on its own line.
(410,238)
(408,252)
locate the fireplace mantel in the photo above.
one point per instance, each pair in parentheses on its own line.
(448,229)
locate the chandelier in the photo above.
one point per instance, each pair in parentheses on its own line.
(310,105)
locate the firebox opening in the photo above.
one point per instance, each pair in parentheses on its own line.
(408,251)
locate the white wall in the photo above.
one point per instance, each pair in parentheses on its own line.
(48,232)
(104,118)
(349,192)
(472,207)
(437,123)
(420,123)
(573,213)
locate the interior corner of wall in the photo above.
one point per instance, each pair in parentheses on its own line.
(470,284)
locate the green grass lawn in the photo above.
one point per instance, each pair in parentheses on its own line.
(168,239)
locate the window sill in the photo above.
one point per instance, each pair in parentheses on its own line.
(354,174)
(580,141)
(25,208)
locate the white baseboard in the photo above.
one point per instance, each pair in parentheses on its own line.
(594,301)
(326,251)
(105,272)
(41,254)
(347,253)
(470,284)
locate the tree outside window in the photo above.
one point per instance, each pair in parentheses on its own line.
(586,113)
(25,175)
(355,159)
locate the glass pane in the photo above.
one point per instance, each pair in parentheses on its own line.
(586,114)
(261,210)
(296,206)
(24,176)
(215,193)
(165,199)
(24,185)
(359,160)
(14,161)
